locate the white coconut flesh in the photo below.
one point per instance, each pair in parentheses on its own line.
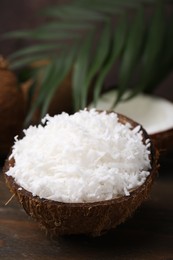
(85,157)
(155,114)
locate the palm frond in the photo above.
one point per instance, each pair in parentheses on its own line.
(41,48)
(132,52)
(89,37)
(27,60)
(80,70)
(116,49)
(102,51)
(151,55)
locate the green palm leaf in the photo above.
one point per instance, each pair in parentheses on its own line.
(62,67)
(25,34)
(46,72)
(34,49)
(123,36)
(24,61)
(163,68)
(101,53)
(118,42)
(132,52)
(67,26)
(80,70)
(40,34)
(152,50)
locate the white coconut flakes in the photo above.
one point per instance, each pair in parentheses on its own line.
(84,157)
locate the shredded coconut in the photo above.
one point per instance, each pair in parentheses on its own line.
(84,157)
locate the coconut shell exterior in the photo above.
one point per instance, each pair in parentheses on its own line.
(163,141)
(94,218)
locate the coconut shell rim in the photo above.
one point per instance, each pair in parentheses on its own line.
(121,118)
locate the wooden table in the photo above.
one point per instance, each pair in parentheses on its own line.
(147,235)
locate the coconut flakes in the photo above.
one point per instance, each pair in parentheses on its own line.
(84,157)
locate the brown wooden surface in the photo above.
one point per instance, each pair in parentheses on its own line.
(147,235)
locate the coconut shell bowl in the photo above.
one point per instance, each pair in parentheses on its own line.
(89,218)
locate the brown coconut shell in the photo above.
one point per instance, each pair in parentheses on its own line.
(12,108)
(94,218)
(163,141)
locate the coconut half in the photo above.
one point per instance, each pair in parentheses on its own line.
(91,218)
(155,114)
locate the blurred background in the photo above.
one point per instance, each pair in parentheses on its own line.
(19,14)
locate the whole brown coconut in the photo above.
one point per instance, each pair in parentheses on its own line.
(12,110)
(94,218)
